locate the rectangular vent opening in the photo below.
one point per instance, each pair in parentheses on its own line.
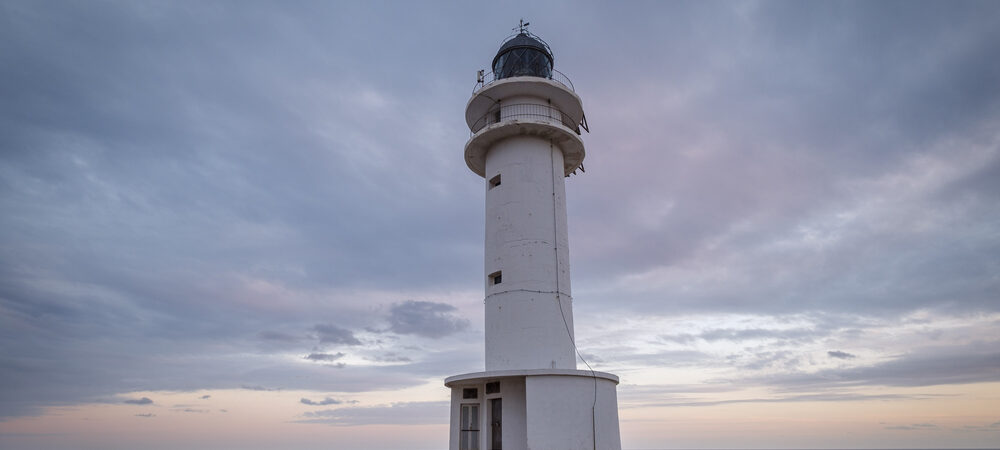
(495,181)
(493,387)
(495,278)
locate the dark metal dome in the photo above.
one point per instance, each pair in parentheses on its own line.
(523,55)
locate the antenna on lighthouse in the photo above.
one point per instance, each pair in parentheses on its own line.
(520,28)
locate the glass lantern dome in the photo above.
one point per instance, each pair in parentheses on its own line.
(523,55)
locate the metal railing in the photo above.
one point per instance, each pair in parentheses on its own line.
(557,76)
(545,113)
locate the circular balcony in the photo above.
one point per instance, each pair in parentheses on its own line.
(524,119)
(523,89)
(525,111)
(557,76)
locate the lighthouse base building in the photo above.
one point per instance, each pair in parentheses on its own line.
(525,120)
(534,409)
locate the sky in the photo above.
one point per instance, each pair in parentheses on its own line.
(250,225)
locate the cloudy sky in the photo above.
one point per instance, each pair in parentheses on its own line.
(250,225)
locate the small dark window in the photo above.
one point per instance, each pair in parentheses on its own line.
(493,387)
(470,393)
(496,277)
(495,181)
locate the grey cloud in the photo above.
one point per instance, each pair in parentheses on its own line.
(278,337)
(138,154)
(324,402)
(428,319)
(924,367)
(630,395)
(391,357)
(332,334)
(92,382)
(206,396)
(147,415)
(916,426)
(139,401)
(408,413)
(833,397)
(761,359)
(840,355)
(324,356)
(738,203)
(466,358)
(592,358)
(732,334)
(683,338)
(651,390)
(232,188)
(279,342)
(755,333)
(258,388)
(630,355)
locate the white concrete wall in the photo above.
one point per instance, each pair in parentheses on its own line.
(559,413)
(527,240)
(456,417)
(515,434)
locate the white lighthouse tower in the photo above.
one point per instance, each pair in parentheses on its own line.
(525,120)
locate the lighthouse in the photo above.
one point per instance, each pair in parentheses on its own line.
(526,119)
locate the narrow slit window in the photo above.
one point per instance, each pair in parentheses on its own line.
(495,181)
(496,277)
(496,424)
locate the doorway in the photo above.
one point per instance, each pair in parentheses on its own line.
(469,431)
(496,425)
